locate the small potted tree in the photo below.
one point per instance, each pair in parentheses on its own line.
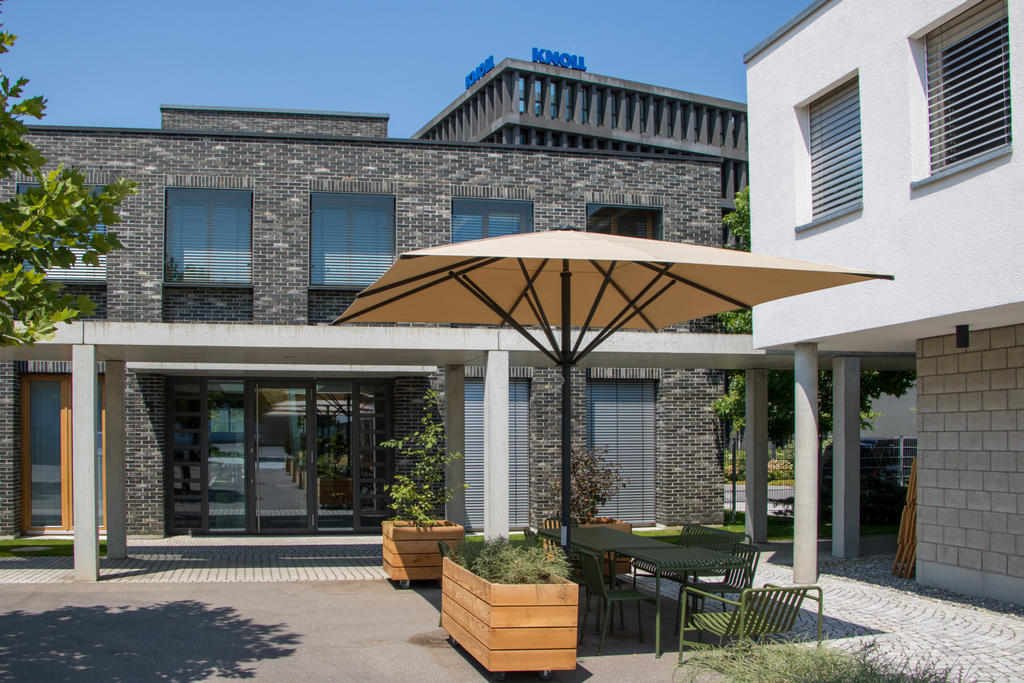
(511,606)
(594,482)
(412,533)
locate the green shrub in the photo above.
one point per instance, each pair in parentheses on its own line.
(780,470)
(782,663)
(499,561)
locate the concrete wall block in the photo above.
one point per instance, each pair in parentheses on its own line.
(969,519)
(950,479)
(954,383)
(954,498)
(929,366)
(979,460)
(970,401)
(994,359)
(1002,337)
(948,441)
(957,422)
(979,500)
(930,496)
(980,340)
(1004,502)
(978,381)
(969,479)
(994,400)
(994,562)
(1003,543)
(994,481)
(926,514)
(1015,399)
(969,558)
(933,422)
(977,540)
(1014,565)
(946,365)
(929,385)
(954,536)
(925,404)
(930,532)
(955,460)
(995,522)
(926,477)
(969,362)
(932,347)
(926,551)
(1004,420)
(970,441)
(1004,379)
(994,441)
(947,555)
(1004,462)
(1015,357)
(1015,440)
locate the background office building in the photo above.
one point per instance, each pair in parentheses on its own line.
(277,218)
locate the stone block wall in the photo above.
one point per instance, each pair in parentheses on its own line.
(970,492)
(146,488)
(10,450)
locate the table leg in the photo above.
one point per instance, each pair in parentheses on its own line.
(657,612)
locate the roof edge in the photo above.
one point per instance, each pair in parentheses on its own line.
(271,110)
(784,29)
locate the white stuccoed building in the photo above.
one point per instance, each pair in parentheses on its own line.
(881,137)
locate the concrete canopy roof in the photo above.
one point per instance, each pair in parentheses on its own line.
(280,346)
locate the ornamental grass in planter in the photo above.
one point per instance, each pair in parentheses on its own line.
(511,606)
(411,535)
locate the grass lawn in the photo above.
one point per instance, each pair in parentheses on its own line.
(54,547)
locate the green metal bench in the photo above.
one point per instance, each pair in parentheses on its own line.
(759,612)
(734,580)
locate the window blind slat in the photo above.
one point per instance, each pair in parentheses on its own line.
(474,219)
(518,466)
(836,172)
(967,63)
(78,270)
(352,239)
(209,236)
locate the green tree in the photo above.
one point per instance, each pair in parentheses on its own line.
(732,406)
(39,228)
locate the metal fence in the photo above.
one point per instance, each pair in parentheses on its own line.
(887,458)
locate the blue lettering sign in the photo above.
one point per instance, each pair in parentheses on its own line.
(477,73)
(562,59)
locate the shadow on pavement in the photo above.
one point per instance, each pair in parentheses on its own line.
(183,640)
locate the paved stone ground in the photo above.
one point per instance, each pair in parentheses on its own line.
(864,605)
(185,559)
(981,640)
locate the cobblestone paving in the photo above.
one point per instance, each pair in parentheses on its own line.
(181,559)
(976,639)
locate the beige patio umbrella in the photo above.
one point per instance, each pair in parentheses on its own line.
(567,291)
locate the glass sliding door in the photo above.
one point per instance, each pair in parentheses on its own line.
(46,452)
(282,459)
(374,427)
(334,476)
(225,410)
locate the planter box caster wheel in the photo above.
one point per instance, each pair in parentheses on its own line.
(545,675)
(498,676)
(404,583)
(452,642)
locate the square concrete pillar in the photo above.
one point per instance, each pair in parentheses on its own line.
(755,445)
(496,368)
(805,514)
(455,441)
(116,511)
(83,462)
(846,456)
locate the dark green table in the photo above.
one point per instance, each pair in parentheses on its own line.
(679,560)
(664,557)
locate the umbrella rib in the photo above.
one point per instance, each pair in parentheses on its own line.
(529,283)
(623,294)
(609,331)
(480,294)
(691,283)
(474,264)
(597,300)
(535,304)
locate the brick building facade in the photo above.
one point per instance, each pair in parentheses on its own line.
(281,158)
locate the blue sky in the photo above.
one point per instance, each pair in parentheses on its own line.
(113,62)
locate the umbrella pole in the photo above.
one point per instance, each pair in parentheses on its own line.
(566,453)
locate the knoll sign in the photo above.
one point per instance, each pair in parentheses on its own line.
(563,59)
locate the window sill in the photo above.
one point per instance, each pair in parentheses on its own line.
(858,207)
(208,285)
(962,166)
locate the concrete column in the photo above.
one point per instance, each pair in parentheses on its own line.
(846,456)
(116,511)
(496,444)
(755,445)
(83,462)
(455,440)
(805,515)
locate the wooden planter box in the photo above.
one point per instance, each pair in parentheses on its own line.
(511,628)
(622,565)
(410,552)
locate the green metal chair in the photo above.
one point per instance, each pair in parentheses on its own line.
(759,612)
(734,580)
(597,586)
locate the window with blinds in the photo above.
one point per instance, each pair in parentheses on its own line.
(620,418)
(78,271)
(474,219)
(518,465)
(836,167)
(968,67)
(353,239)
(628,221)
(209,236)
